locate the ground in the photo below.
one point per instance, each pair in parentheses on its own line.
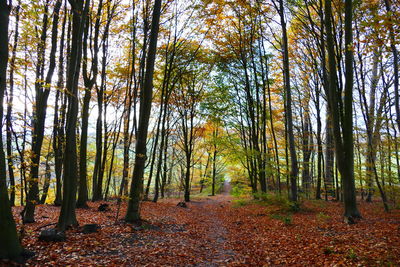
(221,231)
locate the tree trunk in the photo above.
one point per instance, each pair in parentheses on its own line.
(133,212)
(187,178)
(10,248)
(39,114)
(288,113)
(58,133)
(47,178)
(395,60)
(89,78)
(67,216)
(343,123)
(10,98)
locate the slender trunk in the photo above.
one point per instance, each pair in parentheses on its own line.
(319,146)
(343,118)
(89,78)
(133,211)
(40,107)
(288,113)
(67,216)
(187,177)
(47,176)
(58,140)
(395,60)
(10,99)
(10,247)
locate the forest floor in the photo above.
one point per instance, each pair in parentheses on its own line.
(221,231)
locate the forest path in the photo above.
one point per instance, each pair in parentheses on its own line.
(209,213)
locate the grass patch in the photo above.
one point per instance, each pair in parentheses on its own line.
(277,201)
(318,203)
(322,217)
(286,219)
(351,254)
(328,250)
(240,202)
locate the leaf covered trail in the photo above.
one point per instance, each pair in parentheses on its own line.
(215,231)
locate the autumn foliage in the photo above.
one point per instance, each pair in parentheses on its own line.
(221,231)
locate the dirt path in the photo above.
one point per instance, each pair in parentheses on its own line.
(209,212)
(199,235)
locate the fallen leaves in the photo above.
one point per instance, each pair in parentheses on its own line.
(212,232)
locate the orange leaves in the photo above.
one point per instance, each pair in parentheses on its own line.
(212,232)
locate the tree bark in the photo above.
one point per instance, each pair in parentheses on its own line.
(133,211)
(58,125)
(10,248)
(67,216)
(343,119)
(40,108)
(286,73)
(10,98)
(89,78)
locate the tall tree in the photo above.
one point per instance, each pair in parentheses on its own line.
(67,215)
(59,115)
(10,98)
(10,246)
(42,89)
(288,100)
(89,78)
(341,111)
(133,212)
(390,16)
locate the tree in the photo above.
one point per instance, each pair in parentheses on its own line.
(10,247)
(67,216)
(342,118)
(42,89)
(89,78)
(133,212)
(288,100)
(10,98)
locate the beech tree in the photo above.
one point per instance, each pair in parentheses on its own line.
(341,111)
(10,248)
(42,89)
(67,215)
(133,211)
